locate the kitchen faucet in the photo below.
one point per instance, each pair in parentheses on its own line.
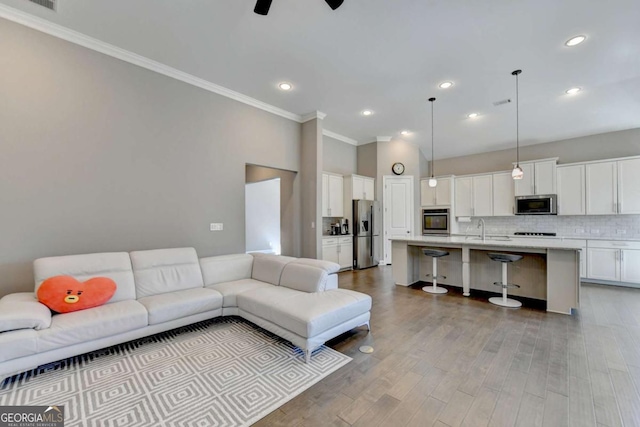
(481,225)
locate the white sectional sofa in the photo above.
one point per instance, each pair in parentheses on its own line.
(159,290)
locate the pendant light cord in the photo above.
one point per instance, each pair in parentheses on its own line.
(432,157)
(517,123)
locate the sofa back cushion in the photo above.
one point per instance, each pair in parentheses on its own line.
(305,278)
(116,266)
(268,268)
(226,268)
(165,270)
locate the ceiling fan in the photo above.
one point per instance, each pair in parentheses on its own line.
(262,6)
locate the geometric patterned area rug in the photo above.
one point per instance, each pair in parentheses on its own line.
(223,372)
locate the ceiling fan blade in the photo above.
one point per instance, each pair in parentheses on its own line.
(262,7)
(334,4)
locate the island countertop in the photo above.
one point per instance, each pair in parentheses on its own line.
(559,273)
(490,241)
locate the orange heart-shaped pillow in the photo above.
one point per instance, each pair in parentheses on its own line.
(65,294)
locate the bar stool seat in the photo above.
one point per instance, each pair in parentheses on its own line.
(505,259)
(435,254)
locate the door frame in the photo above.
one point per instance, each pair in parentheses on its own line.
(411,202)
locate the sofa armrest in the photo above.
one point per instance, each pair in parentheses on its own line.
(23,311)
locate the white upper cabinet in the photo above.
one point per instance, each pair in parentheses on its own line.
(539,178)
(325,194)
(483,195)
(357,183)
(332,195)
(369,189)
(359,188)
(571,190)
(526,185)
(474,196)
(545,177)
(629,186)
(440,195)
(602,188)
(463,196)
(503,195)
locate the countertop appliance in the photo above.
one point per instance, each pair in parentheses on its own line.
(435,221)
(537,205)
(345,225)
(366,233)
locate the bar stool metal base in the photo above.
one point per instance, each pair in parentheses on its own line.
(505,302)
(435,289)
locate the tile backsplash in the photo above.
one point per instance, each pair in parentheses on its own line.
(584,227)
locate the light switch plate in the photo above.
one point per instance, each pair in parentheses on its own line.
(216,226)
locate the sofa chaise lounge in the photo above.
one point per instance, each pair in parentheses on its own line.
(159,290)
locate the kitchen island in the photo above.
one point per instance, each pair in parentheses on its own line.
(550,270)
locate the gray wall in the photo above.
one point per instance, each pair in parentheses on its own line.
(100,155)
(367,161)
(311,184)
(289,204)
(339,157)
(594,147)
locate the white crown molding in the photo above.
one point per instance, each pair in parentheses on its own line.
(382,139)
(313,115)
(80,39)
(339,137)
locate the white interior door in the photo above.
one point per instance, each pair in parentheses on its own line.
(397,210)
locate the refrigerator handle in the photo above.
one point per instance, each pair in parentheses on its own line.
(371,246)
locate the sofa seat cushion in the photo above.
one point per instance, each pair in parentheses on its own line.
(306,314)
(14,344)
(23,311)
(230,290)
(93,323)
(175,305)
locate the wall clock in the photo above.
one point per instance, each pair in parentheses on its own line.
(398,168)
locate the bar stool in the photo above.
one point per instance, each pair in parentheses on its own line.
(435,254)
(505,259)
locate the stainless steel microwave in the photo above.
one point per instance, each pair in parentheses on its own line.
(537,205)
(435,221)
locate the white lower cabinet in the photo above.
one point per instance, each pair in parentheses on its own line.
(339,250)
(615,261)
(630,265)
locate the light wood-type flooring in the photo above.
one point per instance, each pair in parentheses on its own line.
(454,361)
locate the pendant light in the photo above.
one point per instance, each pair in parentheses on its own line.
(517,172)
(432,181)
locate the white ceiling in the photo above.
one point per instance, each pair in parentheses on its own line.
(390,56)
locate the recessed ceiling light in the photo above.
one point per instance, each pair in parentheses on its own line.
(367,112)
(285,86)
(405,132)
(446,85)
(574,41)
(573,90)
(472,115)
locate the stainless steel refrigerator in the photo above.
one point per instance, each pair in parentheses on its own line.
(366,233)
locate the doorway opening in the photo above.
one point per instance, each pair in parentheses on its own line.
(262,216)
(271,225)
